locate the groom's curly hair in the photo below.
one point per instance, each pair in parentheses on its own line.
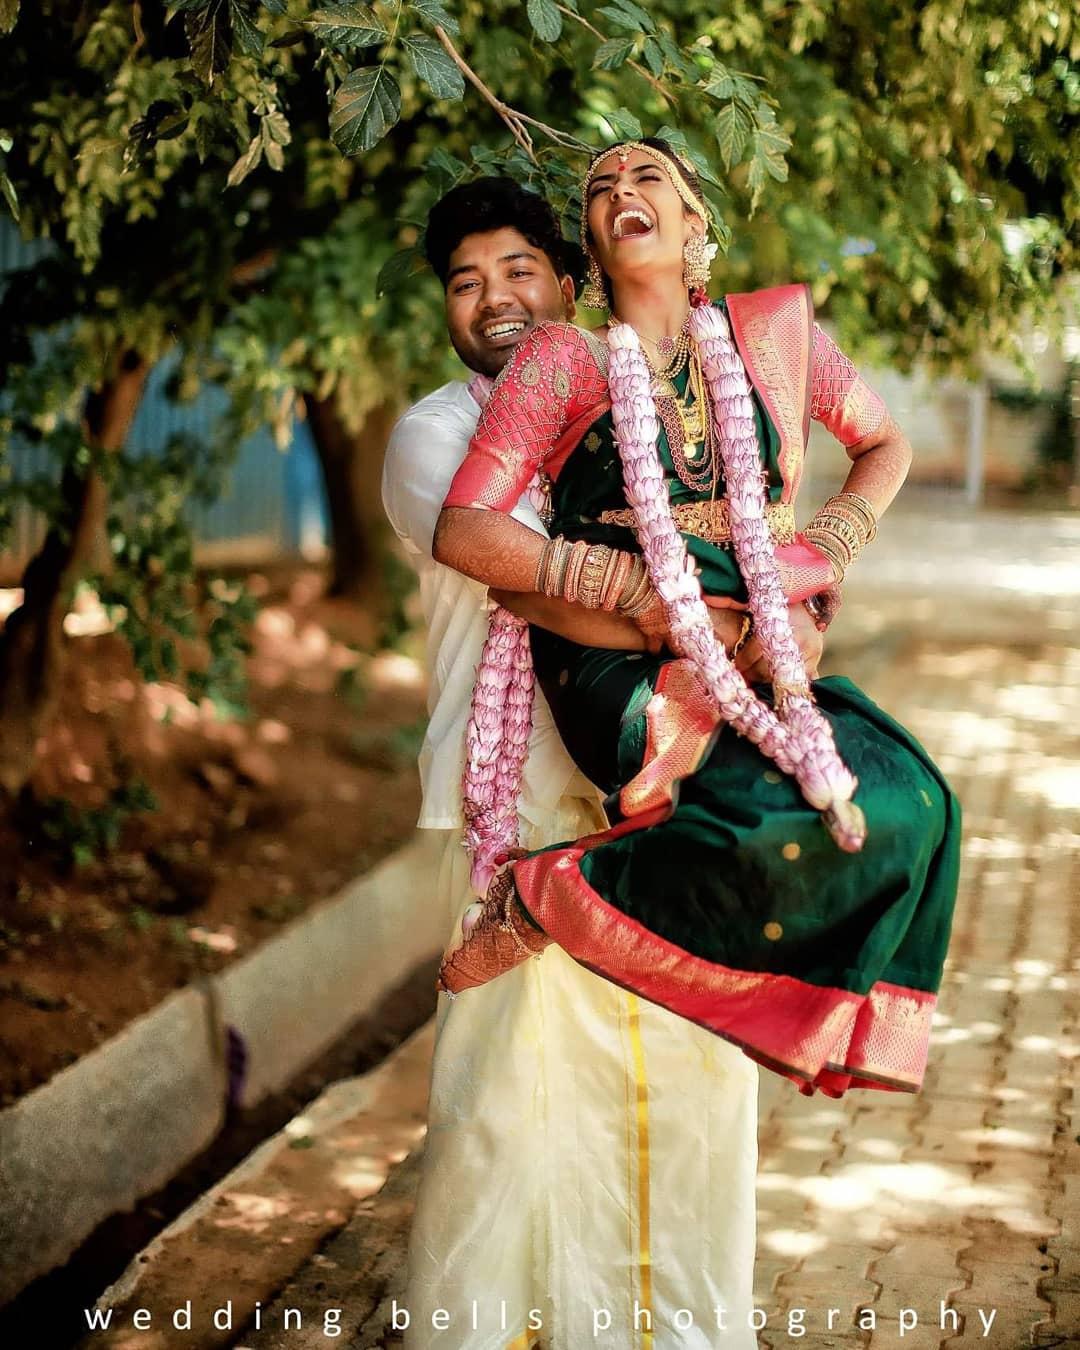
(495,203)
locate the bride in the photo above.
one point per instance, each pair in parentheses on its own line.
(781,857)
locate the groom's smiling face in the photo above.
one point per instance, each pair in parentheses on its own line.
(498,288)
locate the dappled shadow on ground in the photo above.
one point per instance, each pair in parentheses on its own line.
(921,1218)
(257,819)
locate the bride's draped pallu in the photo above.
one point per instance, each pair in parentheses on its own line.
(716,891)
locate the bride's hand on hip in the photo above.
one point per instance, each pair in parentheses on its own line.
(751,659)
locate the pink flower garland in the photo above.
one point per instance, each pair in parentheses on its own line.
(795,736)
(496,745)
(825,780)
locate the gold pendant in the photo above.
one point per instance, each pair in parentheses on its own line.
(691,449)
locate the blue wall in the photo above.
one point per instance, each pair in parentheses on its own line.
(274,502)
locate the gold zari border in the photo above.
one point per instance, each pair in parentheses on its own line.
(712,520)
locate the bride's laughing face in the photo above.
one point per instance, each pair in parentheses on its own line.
(636,217)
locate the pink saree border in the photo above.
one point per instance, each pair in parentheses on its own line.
(822,1038)
(773,329)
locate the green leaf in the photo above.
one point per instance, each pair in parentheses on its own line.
(654,57)
(365,107)
(209,35)
(275,6)
(676,58)
(435,13)
(278,127)
(674,138)
(204,138)
(623,122)
(770,136)
(445,169)
(621,19)
(485,158)
(704,168)
(732,128)
(435,67)
(545,19)
(398,268)
(170,127)
(248,37)
(626,14)
(725,84)
(99,145)
(9,15)
(7,187)
(756,181)
(246,163)
(347,27)
(642,15)
(775,166)
(610,55)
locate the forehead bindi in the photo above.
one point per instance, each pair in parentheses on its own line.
(621,168)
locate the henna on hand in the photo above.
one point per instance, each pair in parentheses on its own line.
(880,465)
(489,546)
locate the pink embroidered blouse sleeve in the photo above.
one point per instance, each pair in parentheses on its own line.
(840,399)
(551,381)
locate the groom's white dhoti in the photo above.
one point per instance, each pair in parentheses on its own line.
(589,1171)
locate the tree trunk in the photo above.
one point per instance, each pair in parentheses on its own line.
(352,471)
(32,641)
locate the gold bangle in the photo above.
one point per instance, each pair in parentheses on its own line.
(853,516)
(826,545)
(858,509)
(547,564)
(592,574)
(556,552)
(579,551)
(641,605)
(622,563)
(637,585)
(843,534)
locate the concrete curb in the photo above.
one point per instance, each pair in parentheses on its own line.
(261,1228)
(120,1122)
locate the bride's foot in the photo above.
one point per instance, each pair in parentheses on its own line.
(496,939)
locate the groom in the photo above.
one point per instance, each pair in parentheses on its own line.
(505,267)
(549,1061)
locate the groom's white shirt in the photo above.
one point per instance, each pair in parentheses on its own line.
(426,446)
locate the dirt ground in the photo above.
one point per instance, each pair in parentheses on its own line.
(256,821)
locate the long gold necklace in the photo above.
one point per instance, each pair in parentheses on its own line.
(688,427)
(685,417)
(689,432)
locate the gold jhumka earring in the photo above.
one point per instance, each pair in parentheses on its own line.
(593,295)
(696,257)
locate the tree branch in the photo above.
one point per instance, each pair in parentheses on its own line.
(514,119)
(645,74)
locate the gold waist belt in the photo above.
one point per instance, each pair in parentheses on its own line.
(711,521)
